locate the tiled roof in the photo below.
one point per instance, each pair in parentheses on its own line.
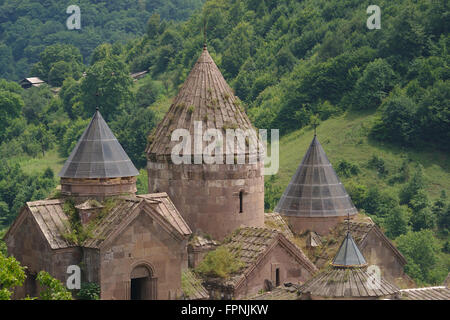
(161,204)
(192,287)
(251,244)
(98,154)
(53,222)
(430,293)
(199,241)
(168,211)
(279,293)
(206,97)
(347,283)
(315,190)
(275,221)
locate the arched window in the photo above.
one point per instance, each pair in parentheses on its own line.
(241,201)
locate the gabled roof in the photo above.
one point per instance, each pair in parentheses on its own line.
(347,283)
(157,205)
(98,154)
(315,190)
(33,80)
(349,254)
(275,221)
(206,97)
(251,245)
(429,293)
(192,287)
(53,221)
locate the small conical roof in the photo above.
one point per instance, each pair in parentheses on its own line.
(349,254)
(98,154)
(204,97)
(315,190)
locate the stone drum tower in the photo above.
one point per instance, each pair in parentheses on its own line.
(98,167)
(214,198)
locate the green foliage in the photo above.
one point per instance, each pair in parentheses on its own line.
(53,288)
(11,275)
(89,291)
(11,105)
(17,187)
(26,28)
(375,83)
(272,193)
(57,62)
(378,164)
(421,250)
(397,221)
(219,263)
(107,85)
(347,169)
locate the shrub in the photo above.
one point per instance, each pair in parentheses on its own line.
(220,263)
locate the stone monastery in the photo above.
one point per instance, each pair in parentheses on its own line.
(148,246)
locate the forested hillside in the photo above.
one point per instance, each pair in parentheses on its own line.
(28,26)
(381,98)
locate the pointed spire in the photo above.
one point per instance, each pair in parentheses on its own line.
(205,97)
(98,154)
(315,190)
(349,255)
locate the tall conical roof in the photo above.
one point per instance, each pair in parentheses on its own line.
(98,154)
(349,254)
(206,97)
(315,190)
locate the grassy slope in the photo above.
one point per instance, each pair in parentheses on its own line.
(346,137)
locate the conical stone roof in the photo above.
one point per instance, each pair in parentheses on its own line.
(349,254)
(204,97)
(98,154)
(315,190)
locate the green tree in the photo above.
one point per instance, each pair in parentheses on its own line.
(11,105)
(53,288)
(107,85)
(12,274)
(377,80)
(421,250)
(53,57)
(397,221)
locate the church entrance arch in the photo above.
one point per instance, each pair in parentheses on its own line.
(143,283)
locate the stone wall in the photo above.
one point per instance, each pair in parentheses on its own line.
(30,248)
(207,196)
(290,270)
(321,225)
(377,252)
(143,243)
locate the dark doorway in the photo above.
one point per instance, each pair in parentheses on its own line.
(277,277)
(143,284)
(138,288)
